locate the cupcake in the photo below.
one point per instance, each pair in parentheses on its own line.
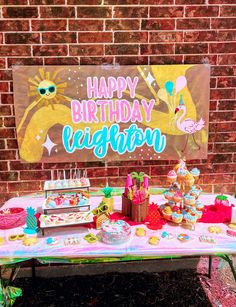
(189,180)
(169,195)
(172,176)
(177,196)
(197,188)
(167,213)
(181,173)
(190,218)
(177,217)
(189,199)
(195,173)
(199,205)
(199,214)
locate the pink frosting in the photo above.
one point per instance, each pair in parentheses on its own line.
(172,174)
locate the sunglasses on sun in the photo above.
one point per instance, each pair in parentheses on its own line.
(51,89)
(16,237)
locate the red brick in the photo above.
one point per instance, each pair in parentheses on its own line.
(12,144)
(201,11)
(226,59)
(213,105)
(189,1)
(227,105)
(225,147)
(228,11)
(85,25)
(156,2)
(131,37)
(50,50)
(196,23)
(7,99)
(157,49)
(49,25)
(200,59)
(24,61)
(5,110)
(121,49)
(191,48)
(229,35)
(3,87)
(46,2)
(35,175)
(2,142)
(29,186)
(123,24)
(201,36)
(9,122)
(223,47)
(57,12)
(219,158)
(223,127)
(20,12)
(18,165)
(217,179)
(166,59)
(94,12)
(221,2)
(12,50)
(95,37)
(225,93)
(166,11)
(223,23)
(98,182)
(212,82)
(13,2)
(7,155)
(7,133)
(121,2)
(131,60)
(224,138)
(5,74)
(130,12)
(226,82)
(86,50)
(14,25)
(61,61)
(3,166)
(103,172)
(2,63)
(222,116)
(8,176)
(222,70)
(22,38)
(84,2)
(155,37)
(123,171)
(58,37)
(96,60)
(158,24)
(228,189)
(116,181)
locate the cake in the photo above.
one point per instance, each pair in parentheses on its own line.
(115,232)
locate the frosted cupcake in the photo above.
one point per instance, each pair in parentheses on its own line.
(195,172)
(189,179)
(178,196)
(199,205)
(172,176)
(167,213)
(189,199)
(181,173)
(169,195)
(177,217)
(190,218)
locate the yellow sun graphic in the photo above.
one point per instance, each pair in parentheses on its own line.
(46,89)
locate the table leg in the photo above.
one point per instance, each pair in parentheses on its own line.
(230,262)
(210,266)
(33,272)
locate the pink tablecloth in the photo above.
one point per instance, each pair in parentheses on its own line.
(136,246)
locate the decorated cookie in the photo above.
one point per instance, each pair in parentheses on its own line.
(90,238)
(30,241)
(153,240)
(231,232)
(140,232)
(232,226)
(2,241)
(183,237)
(72,241)
(206,239)
(215,229)
(167,235)
(52,241)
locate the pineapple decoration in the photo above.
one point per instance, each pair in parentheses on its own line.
(31,222)
(108,198)
(153,218)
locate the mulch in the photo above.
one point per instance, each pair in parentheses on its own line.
(181,288)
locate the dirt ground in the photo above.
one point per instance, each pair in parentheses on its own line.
(178,288)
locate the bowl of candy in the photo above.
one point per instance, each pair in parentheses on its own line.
(12,218)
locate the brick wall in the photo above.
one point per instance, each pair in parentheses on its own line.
(52,32)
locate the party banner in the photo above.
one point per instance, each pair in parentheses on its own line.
(87,113)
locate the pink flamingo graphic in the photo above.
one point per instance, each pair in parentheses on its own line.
(188,125)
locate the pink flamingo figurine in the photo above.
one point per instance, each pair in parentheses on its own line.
(188,125)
